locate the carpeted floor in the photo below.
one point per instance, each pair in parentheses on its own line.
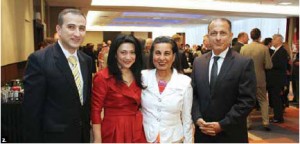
(287,132)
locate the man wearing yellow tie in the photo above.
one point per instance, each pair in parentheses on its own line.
(57,84)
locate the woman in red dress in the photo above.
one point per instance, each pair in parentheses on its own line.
(117,89)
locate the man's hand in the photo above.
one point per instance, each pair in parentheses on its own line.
(209,128)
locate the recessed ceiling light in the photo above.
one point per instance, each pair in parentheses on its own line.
(285,3)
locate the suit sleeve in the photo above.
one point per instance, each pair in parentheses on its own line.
(186,115)
(34,96)
(196,114)
(99,93)
(245,100)
(268,60)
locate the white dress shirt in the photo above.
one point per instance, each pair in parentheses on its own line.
(168,113)
(222,56)
(68,54)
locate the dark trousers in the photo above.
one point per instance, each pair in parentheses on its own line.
(276,101)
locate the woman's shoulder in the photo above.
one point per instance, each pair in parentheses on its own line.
(104,73)
(183,78)
(147,72)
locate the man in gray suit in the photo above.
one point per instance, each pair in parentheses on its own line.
(262,60)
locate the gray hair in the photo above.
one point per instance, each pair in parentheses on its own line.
(278,35)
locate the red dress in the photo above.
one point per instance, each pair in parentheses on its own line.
(122,122)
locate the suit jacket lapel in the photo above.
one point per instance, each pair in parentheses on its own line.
(226,66)
(206,68)
(63,65)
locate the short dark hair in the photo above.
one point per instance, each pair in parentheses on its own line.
(165,39)
(267,41)
(241,34)
(112,62)
(222,19)
(66,11)
(255,34)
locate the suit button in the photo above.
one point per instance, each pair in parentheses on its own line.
(158,119)
(80,123)
(158,110)
(159,99)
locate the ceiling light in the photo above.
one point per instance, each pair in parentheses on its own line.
(285,3)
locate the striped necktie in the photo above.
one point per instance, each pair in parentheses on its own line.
(76,74)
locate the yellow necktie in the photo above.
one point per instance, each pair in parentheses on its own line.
(75,71)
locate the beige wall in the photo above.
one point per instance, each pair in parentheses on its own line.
(143,35)
(17,30)
(94,37)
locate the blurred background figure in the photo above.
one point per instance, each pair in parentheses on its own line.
(241,41)
(206,47)
(146,52)
(89,50)
(102,56)
(46,42)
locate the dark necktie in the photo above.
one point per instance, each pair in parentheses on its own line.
(214,74)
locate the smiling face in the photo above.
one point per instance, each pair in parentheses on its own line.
(72,31)
(219,35)
(163,56)
(126,55)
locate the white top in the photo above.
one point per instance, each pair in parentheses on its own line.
(68,54)
(168,113)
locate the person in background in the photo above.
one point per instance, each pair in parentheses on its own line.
(224,87)
(295,76)
(108,43)
(234,41)
(167,99)
(268,43)
(182,57)
(47,41)
(189,55)
(57,84)
(276,77)
(288,78)
(146,53)
(241,41)
(206,47)
(117,89)
(102,56)
(89,50)
(260,55)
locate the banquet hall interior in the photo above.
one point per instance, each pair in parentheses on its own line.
(26,25)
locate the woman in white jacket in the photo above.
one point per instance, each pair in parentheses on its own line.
(167,99)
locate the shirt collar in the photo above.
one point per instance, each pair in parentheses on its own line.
(67,53)
(278,47)
(221,55)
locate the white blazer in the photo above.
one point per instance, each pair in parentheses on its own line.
(169,113)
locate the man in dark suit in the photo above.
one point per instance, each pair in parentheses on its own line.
(224,89)
(57,83)
(277,77)
(243,38)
